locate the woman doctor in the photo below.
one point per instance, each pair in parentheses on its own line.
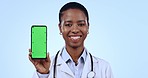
(73,60)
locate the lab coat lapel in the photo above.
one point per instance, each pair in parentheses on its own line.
(63,67)
(87,66)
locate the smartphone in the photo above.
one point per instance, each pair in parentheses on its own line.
(39,41)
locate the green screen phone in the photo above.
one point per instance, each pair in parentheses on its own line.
(39,41)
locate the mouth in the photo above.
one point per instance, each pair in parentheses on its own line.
(75,38)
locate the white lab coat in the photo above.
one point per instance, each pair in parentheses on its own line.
(101,68)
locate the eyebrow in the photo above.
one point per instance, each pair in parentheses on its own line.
(81,21)
(68,21)
(77,21)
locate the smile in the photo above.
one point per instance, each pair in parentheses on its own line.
(75,38)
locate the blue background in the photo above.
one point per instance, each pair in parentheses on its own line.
(118,33)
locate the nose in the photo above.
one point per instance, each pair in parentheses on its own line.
(75,29)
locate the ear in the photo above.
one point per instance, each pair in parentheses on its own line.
(88,23)
(60,29)
(88,27)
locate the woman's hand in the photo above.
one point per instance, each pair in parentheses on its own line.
(41,65)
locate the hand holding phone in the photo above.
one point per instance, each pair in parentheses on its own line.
(38,53)
(41,65)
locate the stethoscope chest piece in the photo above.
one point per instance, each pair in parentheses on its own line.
(91,74)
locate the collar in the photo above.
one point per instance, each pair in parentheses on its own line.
(67,58)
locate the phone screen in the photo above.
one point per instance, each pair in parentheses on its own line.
(39,41)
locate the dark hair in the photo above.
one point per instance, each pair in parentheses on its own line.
(73,5)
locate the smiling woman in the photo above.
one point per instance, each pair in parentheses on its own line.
(73,59)
(74,30)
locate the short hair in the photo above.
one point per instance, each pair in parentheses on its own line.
(73,5)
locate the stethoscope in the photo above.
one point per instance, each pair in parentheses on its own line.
(91,74)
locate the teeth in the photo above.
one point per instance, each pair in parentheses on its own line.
(77,37)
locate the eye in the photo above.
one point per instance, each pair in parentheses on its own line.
(69,25)
(81,24)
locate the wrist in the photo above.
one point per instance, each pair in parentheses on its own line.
(43,72)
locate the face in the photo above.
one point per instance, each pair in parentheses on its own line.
(74,27)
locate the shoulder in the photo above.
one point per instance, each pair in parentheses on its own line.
(101,62)
(101,65)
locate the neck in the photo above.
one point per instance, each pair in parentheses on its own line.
(75,53)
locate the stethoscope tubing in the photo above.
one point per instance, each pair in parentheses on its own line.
(55,62)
